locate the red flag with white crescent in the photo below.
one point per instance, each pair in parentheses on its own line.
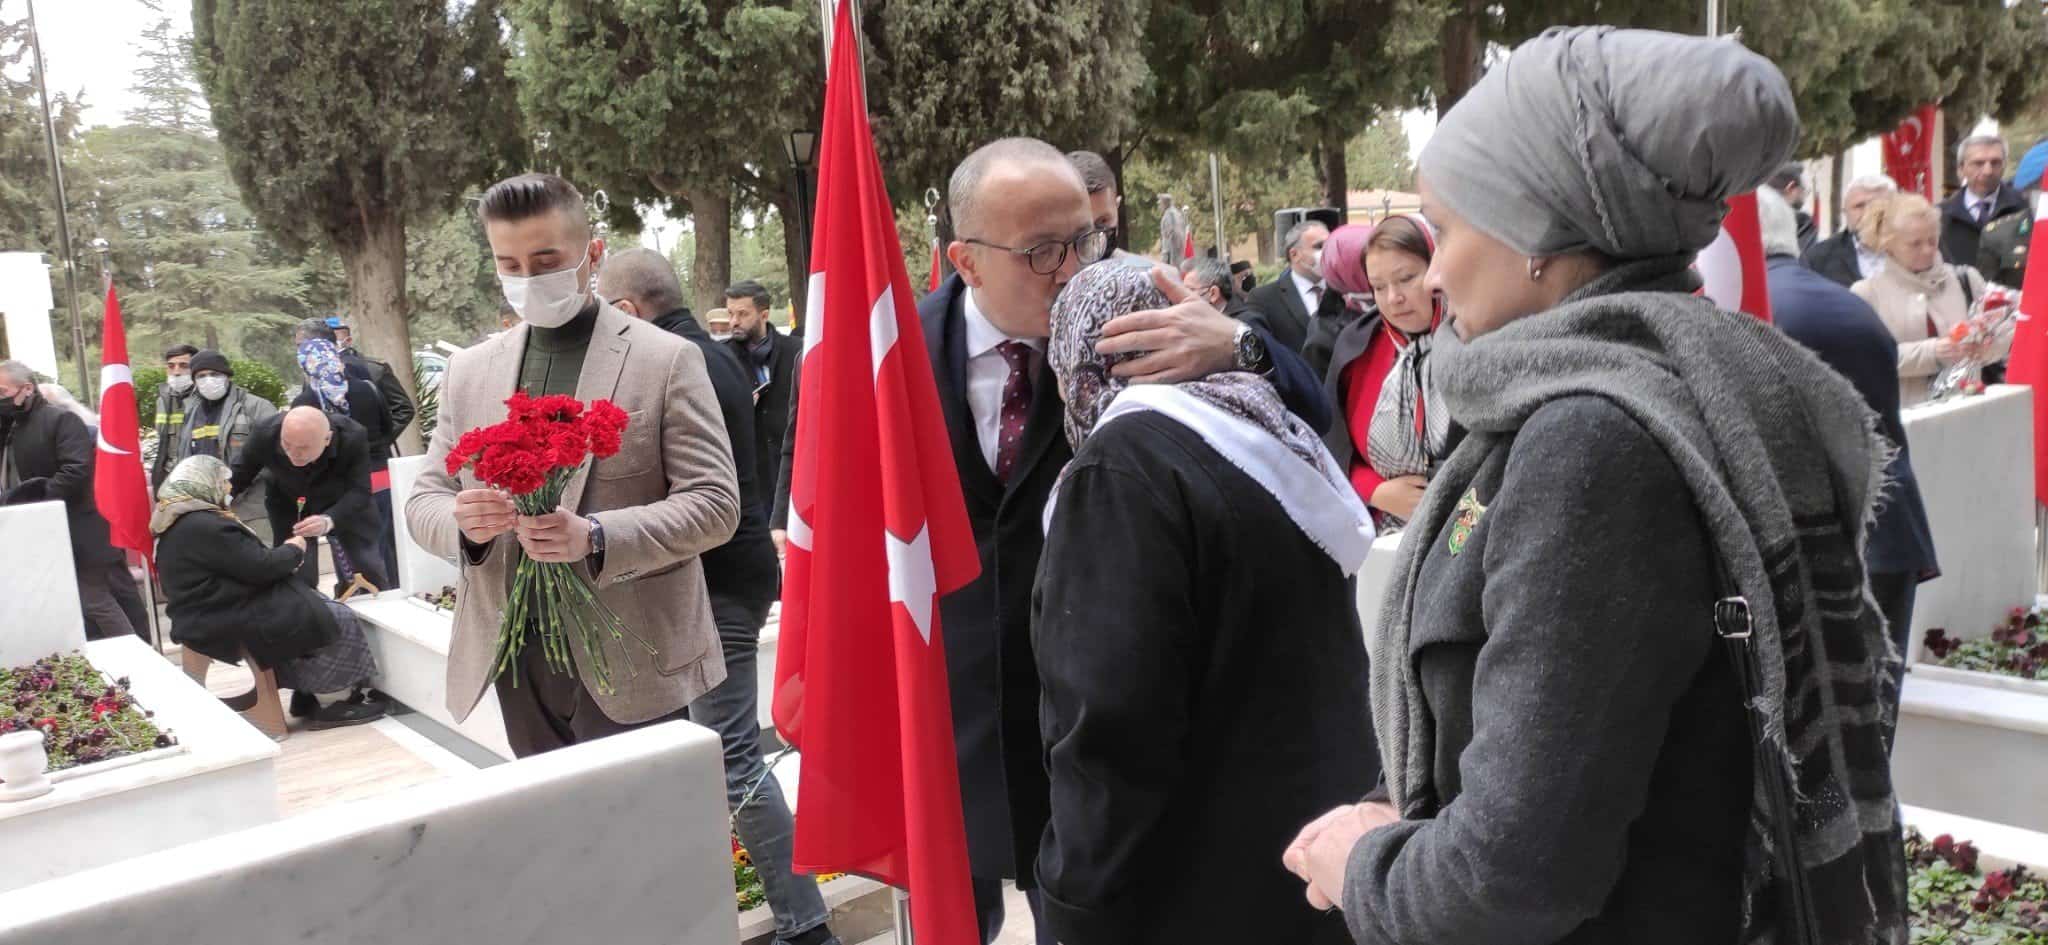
(2028,362)
(119,487)
(1909,152)
(1732,267)
(878,531)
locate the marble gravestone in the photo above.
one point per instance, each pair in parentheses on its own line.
(1975,462)
(622,841)
(38,584)
(1374,578)
(418,569)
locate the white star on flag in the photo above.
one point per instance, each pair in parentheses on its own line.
(912,582)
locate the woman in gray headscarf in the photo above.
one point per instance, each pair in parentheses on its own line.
(1195,634)
(1567,753)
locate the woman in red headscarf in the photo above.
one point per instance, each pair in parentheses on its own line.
(1389,430)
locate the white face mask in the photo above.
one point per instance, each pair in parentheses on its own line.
(212,386)
(181,384)
(721,336)
(549,300)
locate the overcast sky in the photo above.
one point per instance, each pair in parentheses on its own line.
(90,46)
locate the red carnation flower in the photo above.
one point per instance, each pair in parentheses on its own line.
(558,408)
(603,424)
(569,447)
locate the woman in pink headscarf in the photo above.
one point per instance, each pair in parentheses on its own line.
(1389,430)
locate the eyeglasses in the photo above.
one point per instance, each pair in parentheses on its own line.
(1046,258)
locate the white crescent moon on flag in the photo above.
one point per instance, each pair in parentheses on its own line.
(112,376)
(1909,141)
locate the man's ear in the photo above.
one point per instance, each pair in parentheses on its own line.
(961,255)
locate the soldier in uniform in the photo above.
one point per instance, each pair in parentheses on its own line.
(2002,254)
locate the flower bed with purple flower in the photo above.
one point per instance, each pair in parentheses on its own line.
(83,717)
(2018,647)
(1953,902)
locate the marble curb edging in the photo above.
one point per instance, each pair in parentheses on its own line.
(841,895)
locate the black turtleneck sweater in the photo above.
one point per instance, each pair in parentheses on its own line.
(745,567)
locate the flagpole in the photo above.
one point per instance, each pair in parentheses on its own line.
(105,253)
(85,381)
(1216,197)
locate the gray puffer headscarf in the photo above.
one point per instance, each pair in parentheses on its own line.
(1649,168)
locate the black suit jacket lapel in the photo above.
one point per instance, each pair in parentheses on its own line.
(946,340)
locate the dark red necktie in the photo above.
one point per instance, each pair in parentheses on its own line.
(1016,408)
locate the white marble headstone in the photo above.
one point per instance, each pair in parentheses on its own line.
(38,585)
(1374,577)
(621,841)
(1975,461)
(418,569)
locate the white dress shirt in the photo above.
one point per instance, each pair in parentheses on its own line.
(987,373)
(1869,262)
(1308,289)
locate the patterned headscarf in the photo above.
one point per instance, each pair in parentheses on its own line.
(198,483)
(321,361)
(1111,288)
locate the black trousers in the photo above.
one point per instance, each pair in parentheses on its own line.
(1894,593)
(988,911)
(549,709)
(112,605)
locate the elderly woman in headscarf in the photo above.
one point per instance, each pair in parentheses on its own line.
(228,594)
(1200,652)
(1651,526)
(330,388)
(1390,426)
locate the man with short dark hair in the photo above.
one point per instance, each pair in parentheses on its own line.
(1984,197)
(46,455)
(774,361)
(1207,278)
(1790,183)
(1297,307)
(742,578)
(170,407)
(638,522)
(1104,202)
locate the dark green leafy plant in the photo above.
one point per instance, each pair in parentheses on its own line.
(1952,903)
(2017,647)
(83,718)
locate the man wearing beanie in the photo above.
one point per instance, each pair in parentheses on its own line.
(219,418)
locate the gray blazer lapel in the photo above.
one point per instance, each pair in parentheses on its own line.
(603,364)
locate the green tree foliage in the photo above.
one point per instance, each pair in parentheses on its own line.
(346,121)
(28,218)
(671,103)
(187,256)
(452,288)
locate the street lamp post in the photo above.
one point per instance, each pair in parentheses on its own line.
(801,148)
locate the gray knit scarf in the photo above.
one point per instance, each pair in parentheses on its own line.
(1782,461)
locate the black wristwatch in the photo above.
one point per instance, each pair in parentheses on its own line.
(1251,351)
(596,535)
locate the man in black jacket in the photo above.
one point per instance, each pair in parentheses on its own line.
(46,455)
(1842,257)
(1296,309)
(773,364)
(741,578)
(1984,197)
(1848,336)
(1024,226)
(317,470)
(397,404)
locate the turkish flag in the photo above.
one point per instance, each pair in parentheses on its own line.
(878,531)
(118,484)
(1187,249)
(933,286)
(1733,265)
(1909,152)
(2028,362)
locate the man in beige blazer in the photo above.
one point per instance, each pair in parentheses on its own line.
(634,523)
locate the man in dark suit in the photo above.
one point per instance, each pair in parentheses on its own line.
(1295,308)
(772,360)
(1842,257)
(1024,226)
(1790,183)
(1206,277)
(318,472)
(1849,337)
(1984,197)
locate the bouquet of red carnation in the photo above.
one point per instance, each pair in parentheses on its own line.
(532,455)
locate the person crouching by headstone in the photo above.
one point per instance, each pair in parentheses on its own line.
(316,469)
(46,455)
(228,596)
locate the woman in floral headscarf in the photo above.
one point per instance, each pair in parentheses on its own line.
(1390,429)
(1200,652)
(330,388)
(227,593)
